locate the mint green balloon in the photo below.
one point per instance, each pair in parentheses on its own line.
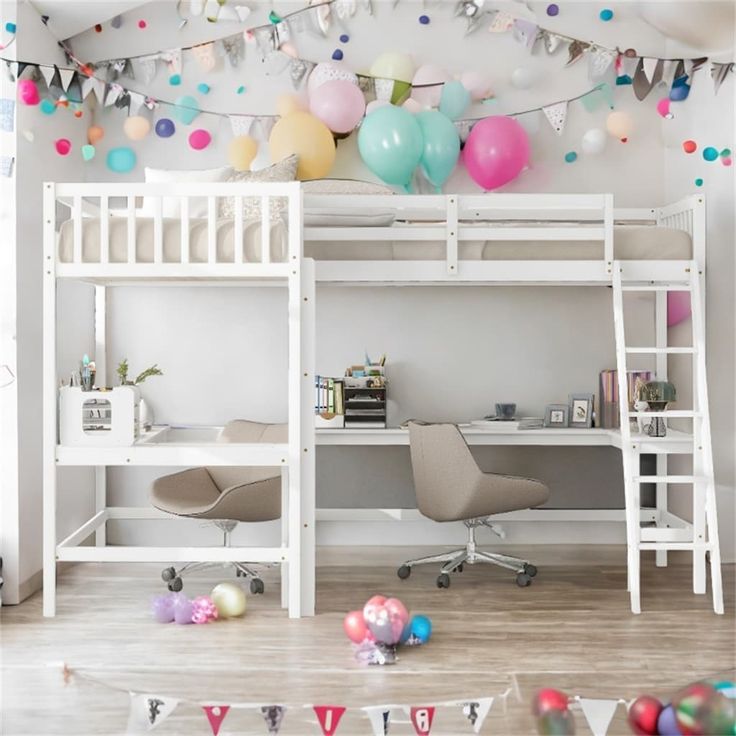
(441,146)
(390,144)
(454,99)
(187,108)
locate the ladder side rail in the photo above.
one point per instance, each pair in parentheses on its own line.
(661,367)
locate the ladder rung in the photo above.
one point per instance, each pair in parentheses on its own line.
(658,287)
(673,414)
(689,546)
(660,351)
(670,479)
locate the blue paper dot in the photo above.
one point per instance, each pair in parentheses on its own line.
(175,80)
(240,90)
(606,14)
(710,153)
(48,107)
(570,157)
(698,182)
(344,38)
(424,20)
(337,55)
(203,88)
(10,27)
(553,10)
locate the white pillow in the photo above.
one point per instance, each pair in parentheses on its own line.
(344,186)
(172,205)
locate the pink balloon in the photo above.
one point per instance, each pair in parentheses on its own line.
(496,151)
(678,307)
(63,146)
(477,84)
(339,104)
(199,139)
(28,92)
(396,607)
(372,607)
(429,74)
(355,627)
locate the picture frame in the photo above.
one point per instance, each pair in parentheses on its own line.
(556,416)
(581,410)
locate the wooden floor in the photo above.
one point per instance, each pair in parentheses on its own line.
(571,629)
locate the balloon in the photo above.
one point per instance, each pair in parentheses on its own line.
(643,715)
(121,160)
(28,92)
(355,627)
(183,610)
(136,127)
(302,134)
(411,105)
(382,629)
(477,84)
(441,146)
(187,108)
(393,65)
(620,125)
(522,78)
(703,26)
(667,722)
(454,99)
(421,628)
(329,72)
(95,134)
(700,709)
(496,151)
(678,307)
(229,600)
(390,143)
(375,104)
(398,614)
(63,146)
(663,108)
(241,151)
(429,74)
(340,105)
(287,104)
(88,152)
(556,723)
(594,141)
(371,607)
(165,128)
(548,699)
(199,139)
(162,608)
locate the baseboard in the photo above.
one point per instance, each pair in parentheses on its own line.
(30,586)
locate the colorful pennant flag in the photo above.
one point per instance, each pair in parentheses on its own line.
(205,55)
(149,711)
(274,716)
(421,718)
(556,115)
(599,714)
(329,717)
(380,718)
(215,715)
(525,32)
(502,22)
(476,711)
(575,51)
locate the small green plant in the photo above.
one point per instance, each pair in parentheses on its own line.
(122,371)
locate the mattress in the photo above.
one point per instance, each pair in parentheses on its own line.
(631,242)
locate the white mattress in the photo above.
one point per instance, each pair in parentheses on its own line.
(630,243)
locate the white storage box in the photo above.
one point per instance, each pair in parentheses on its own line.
(98,418)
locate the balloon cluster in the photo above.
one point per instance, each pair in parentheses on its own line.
(707,707)
(381,626)
(225,601)
(550,708)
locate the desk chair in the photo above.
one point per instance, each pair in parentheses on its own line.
(226,495)
(451,487)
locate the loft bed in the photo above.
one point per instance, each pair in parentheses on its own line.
(547,239)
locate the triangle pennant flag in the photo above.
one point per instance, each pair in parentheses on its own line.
(650,67)
(215,715)
(48,73)
(556,115)
(266,122)
(148,711)
(575,51)
(137,100)
(719,73)
(642,84)
(87,86)
(551,42)
(241,124)
(599,61)
(421,718)
(274,716)
(501,23)
(599,714)
(234,48)
(476,711)
(384,89)
(525,32)
(329,717)
(113,93)
(99,89)
(698,64)
(145,69)
(205,55)
(11,69)
(173,61)
(298,70)
(380,718)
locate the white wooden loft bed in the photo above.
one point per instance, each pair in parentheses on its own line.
(491,239)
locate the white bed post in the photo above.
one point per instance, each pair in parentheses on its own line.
(49,393)
(101,364)
(284,534)
(660,341)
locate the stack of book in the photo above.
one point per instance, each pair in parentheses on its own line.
(609,410)
(329,406)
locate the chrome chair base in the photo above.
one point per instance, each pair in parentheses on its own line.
(470,554)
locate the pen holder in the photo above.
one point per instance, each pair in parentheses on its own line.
(106,418)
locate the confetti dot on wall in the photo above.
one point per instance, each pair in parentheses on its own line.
(240,90)
(726,153)
(10,27)
(698,182)
(570,157)
(116,22)
(48,107)
(98,28)
(344,38)
(553,10)
(337,55)
(78,113)
(141,24)
(203,88)
(63,146)
(606,14)
(710,153)
(88,152)
(199,139)
(424,20)
(727,161)
(175,80)
(689,146)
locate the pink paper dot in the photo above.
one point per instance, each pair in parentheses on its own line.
(726,161)
(141,24)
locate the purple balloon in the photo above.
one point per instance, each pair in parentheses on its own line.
(162,607)
(165,128)
(667,722)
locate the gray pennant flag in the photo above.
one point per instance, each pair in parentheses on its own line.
(48,73)
(551,42)
(644,83)
(274,716)
(241,124)
(299,70)
(234,47)
(719,73)
(599,62)
(575,51)
(145,69)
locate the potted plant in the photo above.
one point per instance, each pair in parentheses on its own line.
(145,418)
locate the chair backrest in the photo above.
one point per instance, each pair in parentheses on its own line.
(445,472)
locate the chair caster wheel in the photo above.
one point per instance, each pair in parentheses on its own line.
(459,568)
(403,572)
(443,581)
(530,570)
(176,585)
(167,574)
(523,580)
(256,586)
(238,572)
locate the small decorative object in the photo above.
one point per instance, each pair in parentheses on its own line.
(689,146)
(594,141)
(581,410)
(550,707)
(571,157)
(419,630)
(229,600)
(203,610)
(658,394)
(556,416)
(643,715)
(187,109)
(710,153)
(619,124)
(145,417)
(505,412)
(606,14)
(95,133)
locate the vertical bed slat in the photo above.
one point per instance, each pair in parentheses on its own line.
(238,229)
(77,217)
(158,236)
(265,229)
(184,226)
(104,230)
(131,230)
(211,230)
(452,228)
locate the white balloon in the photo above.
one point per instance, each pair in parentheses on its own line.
(522,78)
(229,599)
(594,141)
(429,74)
(412,106)
(707,26)
(477,84)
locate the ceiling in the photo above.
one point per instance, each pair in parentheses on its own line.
(69,17)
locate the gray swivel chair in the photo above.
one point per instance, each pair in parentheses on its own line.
(451,487)
(226,495)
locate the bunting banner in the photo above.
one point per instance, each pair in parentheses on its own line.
(502,22)
(329,717)
(599,62)
(556,115)
(215,716)
(149,711)
(575,51)
(719,72)
(421,718)
(476,711)
(241,124)
(380,718)
(525,32)
(598,714)
(274,717)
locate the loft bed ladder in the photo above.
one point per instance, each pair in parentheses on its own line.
(701,536)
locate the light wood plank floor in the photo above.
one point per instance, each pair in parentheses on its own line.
(571,629)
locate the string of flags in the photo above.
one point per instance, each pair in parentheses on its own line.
(148,710)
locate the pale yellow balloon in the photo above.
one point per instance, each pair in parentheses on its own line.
(136,127)
(241,151)
(620,125)
(286,104)
(95,133)
(309,138)
(229,599)
(393,65)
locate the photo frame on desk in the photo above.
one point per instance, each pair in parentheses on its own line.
(556,416)
(581,410)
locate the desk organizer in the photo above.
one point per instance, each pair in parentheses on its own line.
(101,418)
